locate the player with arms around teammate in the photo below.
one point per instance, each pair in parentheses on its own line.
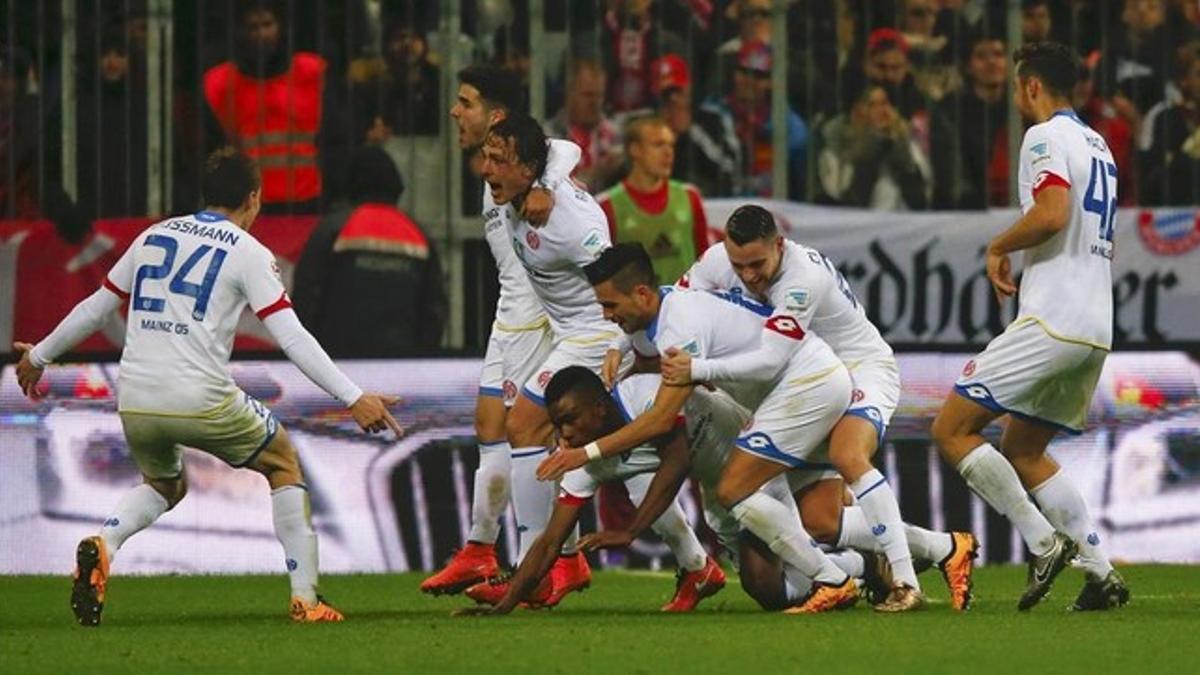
(187,280)
(1042,370)
(797,280)
(520,338)
(515,153)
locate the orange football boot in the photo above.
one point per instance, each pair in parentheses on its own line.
(472,564)
(318,612)
(90,580)
(692,587)
(827,597)
(570,573)
(957,569)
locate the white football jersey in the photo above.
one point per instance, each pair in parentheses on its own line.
(554,256)
(188,279)
(1067,280)
(518,306)
(718,324)
(713,420)
(809,287)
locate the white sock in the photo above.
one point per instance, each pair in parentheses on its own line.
(795,585)
(991,476)
(672,526)
(570,545)
(922,543)
(1068,512)
(878,504)
(293,527)
(492,481)
(927,544)
(532,499)
(849,561)
(770,521)
(137,509)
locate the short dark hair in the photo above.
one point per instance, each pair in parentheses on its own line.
(574,380)
(1051,62)
(229,178)
(626,264)
(372,176)
(529,141)
(750,223)
(498,87)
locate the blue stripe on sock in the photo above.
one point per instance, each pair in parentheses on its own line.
(868,490)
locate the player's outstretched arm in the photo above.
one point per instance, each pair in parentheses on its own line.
(781,337)
(539,559)
(369,410)
(644,428)
(84,319)
(1050,213)
(674,463)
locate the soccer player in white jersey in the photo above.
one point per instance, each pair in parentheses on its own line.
(520,339)
(553,256)
(801,282)
(796,398)
(1042,370)
(581,409)
(187,280)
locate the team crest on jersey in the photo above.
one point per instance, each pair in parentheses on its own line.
(1169,232)
(593,243)
(533,240)
(969,369)
(544,378)
(857,396)
(786,325)
(798,298)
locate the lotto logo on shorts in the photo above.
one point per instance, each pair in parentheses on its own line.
(532,239)
(758,441)
(969,369)
(786,325)
(977,392)
(544,378)
(857,396)
(510,390)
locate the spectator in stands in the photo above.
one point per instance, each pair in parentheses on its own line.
(1135,66)
(886,63)
(707,153)
(631,37)
(369,282)
(870,157)
(753,20)
(20,134)
(405,100)
(583,121)
(930,53)
(1100,115)
(664,215)
(1170,165)
(969,144)
(276,108)
(1036,20)
(749,105)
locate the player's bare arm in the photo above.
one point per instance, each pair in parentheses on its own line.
(655,422)
(674,465)
(1047,217)
(28,375)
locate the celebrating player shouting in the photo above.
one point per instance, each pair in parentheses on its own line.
(187,280)
(1042,370)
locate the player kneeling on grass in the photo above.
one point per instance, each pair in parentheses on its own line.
(188,279)
(582,410)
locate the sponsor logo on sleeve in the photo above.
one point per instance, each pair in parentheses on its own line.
(691,347)
(594,243)
(798,299)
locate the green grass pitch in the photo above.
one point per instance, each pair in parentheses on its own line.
(215,623)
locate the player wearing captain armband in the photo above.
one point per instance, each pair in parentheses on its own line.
(187,280)
(1042,370)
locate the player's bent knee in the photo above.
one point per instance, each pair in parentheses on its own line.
(768,593)
(730,492)
(173,490)
(526,425)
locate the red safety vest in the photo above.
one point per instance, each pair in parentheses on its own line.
(274,121)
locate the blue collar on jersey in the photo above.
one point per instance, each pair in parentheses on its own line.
(1069,113)
(209,217)
(652,329)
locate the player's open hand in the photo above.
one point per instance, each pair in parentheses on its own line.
(611,367)
(538,204)
(561,461)
(28,375)
(676,367)
(999,272)
(605,539)
(371,413)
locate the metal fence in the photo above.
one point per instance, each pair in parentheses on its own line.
(107,108)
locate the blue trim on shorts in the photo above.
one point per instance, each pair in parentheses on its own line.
(767,449)
(876,421)
(531,453)
(272,429)
(539,400)
(495,392)
(992,404)
(616,396)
